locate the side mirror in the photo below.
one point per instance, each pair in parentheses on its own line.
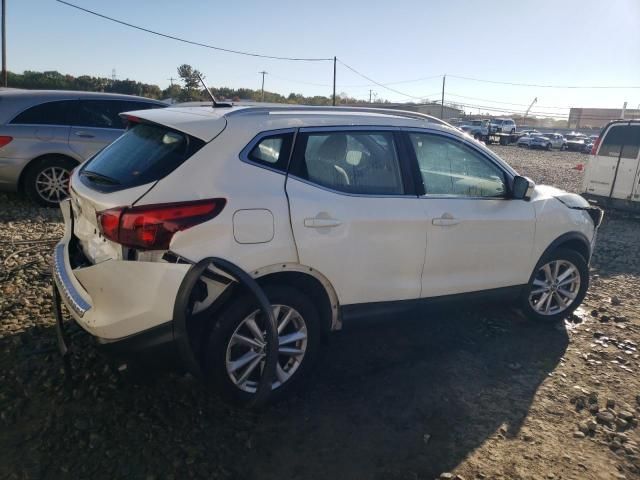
(522,188)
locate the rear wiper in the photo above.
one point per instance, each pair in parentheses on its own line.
(99,178)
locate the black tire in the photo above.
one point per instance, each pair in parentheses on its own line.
(36,173)
(548,146)
(234,314)
(513,130)
(566,255)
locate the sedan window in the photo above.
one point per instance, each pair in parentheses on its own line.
(50,113)
(453,169)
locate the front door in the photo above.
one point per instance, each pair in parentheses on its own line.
(477,237)
(354,215)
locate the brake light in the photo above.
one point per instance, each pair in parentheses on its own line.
(5,140)
(151,227)
(595,146)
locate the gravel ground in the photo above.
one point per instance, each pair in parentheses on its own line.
(472,392)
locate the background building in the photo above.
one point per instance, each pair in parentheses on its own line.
(598,117)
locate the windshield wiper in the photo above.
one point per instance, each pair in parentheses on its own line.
(99,178)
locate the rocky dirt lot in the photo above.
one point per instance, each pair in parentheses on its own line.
(474,392)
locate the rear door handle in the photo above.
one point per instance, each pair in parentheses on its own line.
(83,134)
(321,222)
(445,221)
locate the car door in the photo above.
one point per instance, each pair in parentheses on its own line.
(613,170)
(354,213)
(95,125)
(477,237)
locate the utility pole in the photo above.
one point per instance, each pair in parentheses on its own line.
(370,93)
(334,80)
(444,79)
(624,109)
(4,44)
(171,79)
(263,74)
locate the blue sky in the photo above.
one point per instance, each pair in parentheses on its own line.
(570,42)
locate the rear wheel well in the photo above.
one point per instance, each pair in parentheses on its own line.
(310,286)
(35,161)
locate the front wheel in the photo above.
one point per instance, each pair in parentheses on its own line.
(557,286)
(548,146)
(235,354)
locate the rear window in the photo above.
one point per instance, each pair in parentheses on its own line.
(49,113)
(621,140)
(143,154)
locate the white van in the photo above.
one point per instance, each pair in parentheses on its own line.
(613,172)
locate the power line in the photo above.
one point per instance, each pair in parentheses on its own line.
(537,85)
(191,42)
(378,83)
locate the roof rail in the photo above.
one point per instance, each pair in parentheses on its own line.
(250,109)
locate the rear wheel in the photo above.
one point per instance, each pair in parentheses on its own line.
(46,181)
(235,353)
(557,286)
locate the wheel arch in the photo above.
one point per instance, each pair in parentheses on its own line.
(310,282)
(575,241)
(33,161)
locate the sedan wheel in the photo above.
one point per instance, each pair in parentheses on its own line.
(245,356)
(52,184)
(555,287)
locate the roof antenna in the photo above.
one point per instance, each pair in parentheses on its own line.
(216,104)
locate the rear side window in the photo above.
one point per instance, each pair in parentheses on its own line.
(50,113)
(351,162)
(621,140)
(272,151)
(143,154)
(105,113)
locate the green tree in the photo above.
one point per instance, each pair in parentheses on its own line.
(189,76)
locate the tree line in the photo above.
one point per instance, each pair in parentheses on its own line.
(189,89)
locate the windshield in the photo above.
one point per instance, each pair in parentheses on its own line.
(143,154)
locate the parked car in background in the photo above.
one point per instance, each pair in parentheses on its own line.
(45,134)
(612,174)
(589,143)
(557,141)
(327,209)
(502,125)
(534,141)
(478,129)
(576,141)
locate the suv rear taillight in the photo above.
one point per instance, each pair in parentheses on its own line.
(5,140)
(595,146)
(151,227)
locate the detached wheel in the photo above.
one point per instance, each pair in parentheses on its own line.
(235,353)
(557,286)
(46,181)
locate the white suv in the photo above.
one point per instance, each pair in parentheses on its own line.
(177,230)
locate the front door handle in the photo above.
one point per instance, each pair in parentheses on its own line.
(321,222)
(83,134)
(445,220)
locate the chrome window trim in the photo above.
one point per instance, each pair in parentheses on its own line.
(63,281)
(244,153)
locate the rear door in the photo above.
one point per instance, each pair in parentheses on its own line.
(97,123)
(477,237)
(354,213)
(613,170)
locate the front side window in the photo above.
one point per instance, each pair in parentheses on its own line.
(50,113)
(451,168)
(355,162)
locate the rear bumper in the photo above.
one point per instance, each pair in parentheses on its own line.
(117,302)
(10,170)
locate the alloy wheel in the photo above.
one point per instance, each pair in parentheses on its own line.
(555,287)
(52,184)
(246,351)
